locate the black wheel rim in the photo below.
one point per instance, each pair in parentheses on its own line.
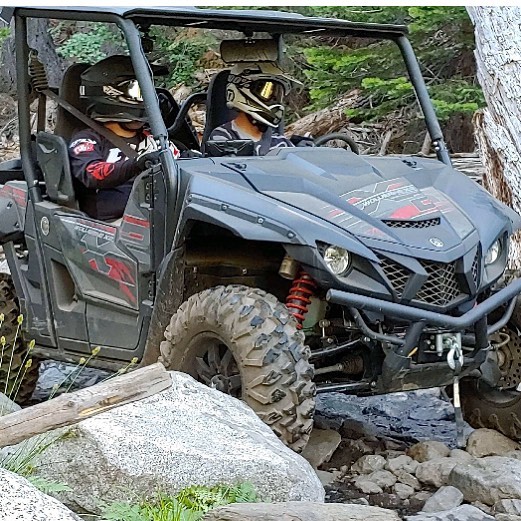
(216,366)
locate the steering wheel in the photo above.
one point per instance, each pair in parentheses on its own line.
(341,137)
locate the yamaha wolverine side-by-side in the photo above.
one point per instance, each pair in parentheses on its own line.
(308,270)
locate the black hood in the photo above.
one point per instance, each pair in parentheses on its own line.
(418,204)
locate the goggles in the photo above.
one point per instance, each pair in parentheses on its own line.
(267,90)
(128,91)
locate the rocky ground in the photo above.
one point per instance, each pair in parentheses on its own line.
(397,452)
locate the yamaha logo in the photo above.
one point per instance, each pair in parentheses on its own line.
(437,243)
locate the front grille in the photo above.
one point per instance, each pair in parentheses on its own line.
(442,286)
(397,274)
(426,223)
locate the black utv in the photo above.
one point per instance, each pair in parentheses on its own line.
(307,270)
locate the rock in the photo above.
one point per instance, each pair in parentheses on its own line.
(20,501)
(327,478)
(461,513)
(486,508)
(446,498)
(367,486)
(392,415)
(7,406)
(417,500)
(507,517)
(436,472)
(488,442)
(322,443)
(515,454)
(428,450)
(368,464)
(460,455)
(293,511)
(488,479)
(187,435)
(403,491)
(408,479)
(508,506)
(383,478)
(402,462)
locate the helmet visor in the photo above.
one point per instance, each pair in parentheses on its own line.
(267,91)
(127,91)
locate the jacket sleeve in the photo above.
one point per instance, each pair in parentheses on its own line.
(89,163)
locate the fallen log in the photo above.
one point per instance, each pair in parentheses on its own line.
(71,408)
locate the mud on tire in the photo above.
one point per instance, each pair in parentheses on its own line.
(272,359)
(11,311)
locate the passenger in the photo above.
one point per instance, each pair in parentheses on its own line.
(256,92)
(103,174)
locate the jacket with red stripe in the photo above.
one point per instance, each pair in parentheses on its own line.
(102,174)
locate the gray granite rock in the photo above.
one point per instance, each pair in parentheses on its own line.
(508,506)
(368,464)
(300,511)
(445,498)
(187,435)
(436,472)
(20,501)
(321,446)
(461,513)
(7,405)
(488,479)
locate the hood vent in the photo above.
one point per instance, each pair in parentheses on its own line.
(426,223)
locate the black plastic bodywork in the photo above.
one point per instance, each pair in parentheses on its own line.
(85,284)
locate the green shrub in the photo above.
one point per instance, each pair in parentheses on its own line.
(188,505)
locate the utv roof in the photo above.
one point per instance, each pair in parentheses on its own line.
(277,22)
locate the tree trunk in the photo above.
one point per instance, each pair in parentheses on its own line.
(498,127)
(40,40)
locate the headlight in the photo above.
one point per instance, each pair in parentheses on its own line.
(337,259)
(493,253)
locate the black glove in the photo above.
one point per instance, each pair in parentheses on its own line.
(148,160)
(302,141)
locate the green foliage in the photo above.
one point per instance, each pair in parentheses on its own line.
(4,34)
(442,38)
(47,486)
(188,505)
(87,46)
(181,54)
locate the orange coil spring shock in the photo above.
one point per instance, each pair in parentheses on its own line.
(298,299)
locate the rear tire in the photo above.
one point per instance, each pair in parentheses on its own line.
(14,356)
(243,341)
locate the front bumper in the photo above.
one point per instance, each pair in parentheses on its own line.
(398,370)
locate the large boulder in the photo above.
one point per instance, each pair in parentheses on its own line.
(187,435)
(301,511)
(488,479)
(20,501)
(461,513)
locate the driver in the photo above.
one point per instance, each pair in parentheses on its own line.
(103,174)
(256,92)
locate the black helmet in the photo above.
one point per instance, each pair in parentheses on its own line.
(112,90)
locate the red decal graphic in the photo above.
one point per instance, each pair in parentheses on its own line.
(100,170)
(406,212)
(121,273)
(394,186)
(354,200)
(138,221)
